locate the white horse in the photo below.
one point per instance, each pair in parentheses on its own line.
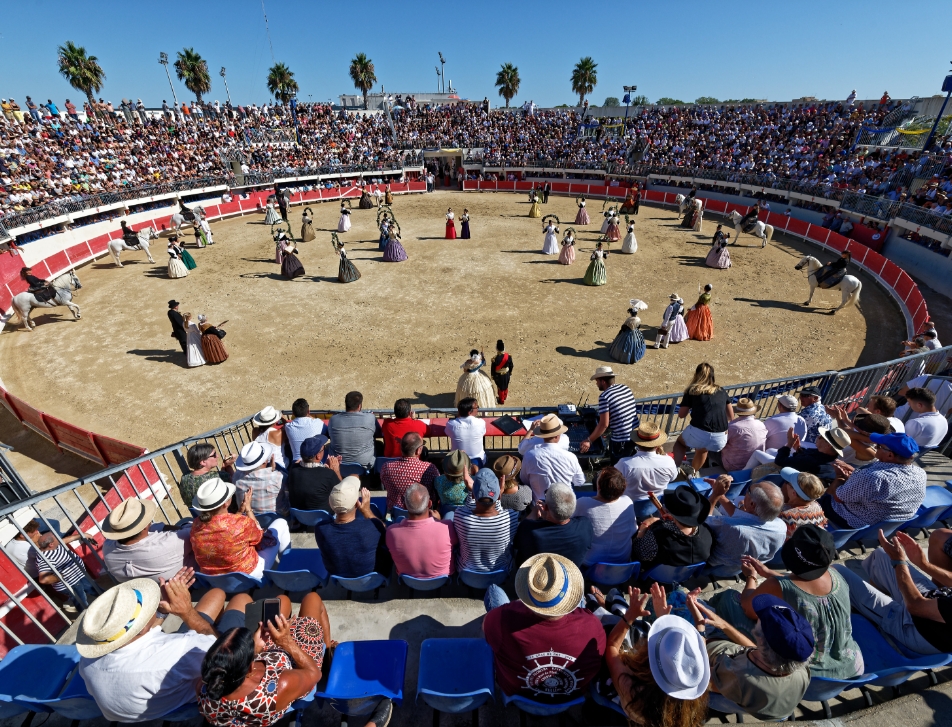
(849,285)
(24,303)
(188,215)
(761,229)
(145,234)
(682,201)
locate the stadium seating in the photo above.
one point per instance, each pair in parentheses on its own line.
(36,671)
(363,673)
(311,518)
(229,582)
(424,584)
(890,668)
(364,584)
(673,575)
(612,574)
(300,569)
(455,675)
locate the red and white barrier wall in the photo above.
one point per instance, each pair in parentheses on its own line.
(894,279)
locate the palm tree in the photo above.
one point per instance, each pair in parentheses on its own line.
(508,81)
(584,78)
(191,69)
(281,82)
(362,74)
(82,71)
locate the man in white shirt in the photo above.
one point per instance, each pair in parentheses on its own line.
(927,426)
(938,385)
(649,470)
(885,406)
(467,431)
(531,440)
(780,423)
(302,427)
(548,463)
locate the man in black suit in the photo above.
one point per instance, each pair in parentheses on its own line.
(546,188)
(178,323)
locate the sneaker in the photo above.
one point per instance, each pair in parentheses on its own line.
(69,609)
(382,714)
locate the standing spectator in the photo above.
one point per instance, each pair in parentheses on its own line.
(302,427)
(927,426)
(616,411)
(612,515)
(352,544)
(396,477)
(483,530)
(814,414)
(466,431)
(71,110)
(33,109)
(352,432)
(746,434)
(137,548)
(549,464)
(310,481)
(203,461)
(711,411)
(421,545)
(754,529)
(649,470)
(553,527)
(258,480)
(22,548)
(801,490)
(394,429)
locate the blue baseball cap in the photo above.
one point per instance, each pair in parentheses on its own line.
(312,445)
(486,485)
(786,631)
(902,445)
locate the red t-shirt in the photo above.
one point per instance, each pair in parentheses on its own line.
(548,661)
(393,431)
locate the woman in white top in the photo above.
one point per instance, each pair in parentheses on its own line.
(613,519)
(450,224)
(193,343)
(550,244)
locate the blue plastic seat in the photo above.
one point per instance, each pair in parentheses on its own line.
(540,709)
(603,701)
(455,675)
(35,672)
(823,689)
(890,668)
(672,574)
(397,514)
(937,502)
(266,518)
(720,703)
(352,469)
(74,702)
(424,584)
(741,475)
(300,569)
(481,580)
(841,536)
(185,713)
(363,584)
(311,517)
(300,705)
(230,582)
(363,673)
(612,574)
(871,532)
(378,506)
(379,462)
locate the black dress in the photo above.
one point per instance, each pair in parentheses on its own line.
(291,267)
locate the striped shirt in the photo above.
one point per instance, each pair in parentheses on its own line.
(483,541)
(619,402)
(67,563)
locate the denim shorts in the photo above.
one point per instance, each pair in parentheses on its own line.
(699,439)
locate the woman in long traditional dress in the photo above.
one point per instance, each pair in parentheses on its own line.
(596,274)
(698,215)
(550,244)
(346,272)
(612,234)
(366,202)
(582,217)
(719,256)
(193,343)
(450,224)
(388,196)
(200,239)
(535,210)
(291,267)
(464,225)
(270,213)
(630,244)
(567,256)
(689,212)
(629,344)
(474,383)
(384,232)
(177,268)
(307,226)
(394,252)
(343,224)
(700,322)
(679,330)
(608,220)
(212,348)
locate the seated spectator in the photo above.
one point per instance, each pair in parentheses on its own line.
(766,674)
(251,679)
(927,426)
(553,527)
(941,387)
(907,595)
(780,423)
(62,568)
(466,431)
(310,480)
(258,479)
(422,544)
(352,432)
(23,547)
(812,589)
(801,490)
(482,528)
(137,548)
(226,543)
(886,406)
(860,451)
(612,515)
(352,544)
(746,434)
(649,470)
(681,539)
(396,477)
(549,464)
(531,440)
(202,460)
(269,431)
(302,427)
(813,413)
(133,670)
(450,486)
(515,495)
(891,489)
(394,429)
(817,460)
(547,613)
(753,529)
(660,680)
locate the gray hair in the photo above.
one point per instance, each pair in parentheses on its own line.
(767,499)
(560,499)
(417,499)
(778,664)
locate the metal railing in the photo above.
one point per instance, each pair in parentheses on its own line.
(925,218)
(864,204)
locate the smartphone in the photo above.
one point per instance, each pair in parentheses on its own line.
(271,610)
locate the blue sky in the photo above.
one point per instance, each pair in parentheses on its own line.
(681,50)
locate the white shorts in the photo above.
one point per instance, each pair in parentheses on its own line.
(699,439)
(279,529)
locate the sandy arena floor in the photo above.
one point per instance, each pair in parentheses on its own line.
(403,329)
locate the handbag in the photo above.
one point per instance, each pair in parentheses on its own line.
(268,540)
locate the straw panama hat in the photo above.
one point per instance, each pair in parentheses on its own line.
(745,407)
(117,617)
(550,585)
(129,518)
(549,426)
(678,658)
(266,417)
(602,372)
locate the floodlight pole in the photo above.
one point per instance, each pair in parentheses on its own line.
(164,60)
(628,90)
(442,71)
(222,74)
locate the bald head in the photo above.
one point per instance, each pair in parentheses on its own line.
(410,443)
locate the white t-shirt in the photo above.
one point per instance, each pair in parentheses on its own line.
(897,426)
(613,527)
(529,442)
(928,429)
(941,387)
(467,433)
(148,677)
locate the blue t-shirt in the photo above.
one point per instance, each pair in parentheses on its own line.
(349,549)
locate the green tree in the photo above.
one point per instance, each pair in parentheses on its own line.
(81,70)
(192,70)
(612,101)
(640,100)
(667,101)
(584,78)
(706,99)
(362,74)
(281,82)
(507,81)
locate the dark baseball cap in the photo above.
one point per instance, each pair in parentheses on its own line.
(786,631)
(810,391)
(312,445)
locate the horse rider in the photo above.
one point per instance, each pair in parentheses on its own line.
(830,275)
(42,290)
(748,221)
(187,213)
(128,236)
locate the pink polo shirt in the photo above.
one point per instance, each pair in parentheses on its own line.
(422,548)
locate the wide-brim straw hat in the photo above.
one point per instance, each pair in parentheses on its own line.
(745,408)
(549,426)
(456,463)
(836,438)
(550,585)
(266,417)
(129,518)
(648,435)
(602,372)
(117,617)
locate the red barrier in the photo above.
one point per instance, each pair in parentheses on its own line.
(73,438)
(904,286)
(890,274)
(29,416)
(116,451)
(56,264)
(79,253)
(856,250)
(99,244)
(561,187)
